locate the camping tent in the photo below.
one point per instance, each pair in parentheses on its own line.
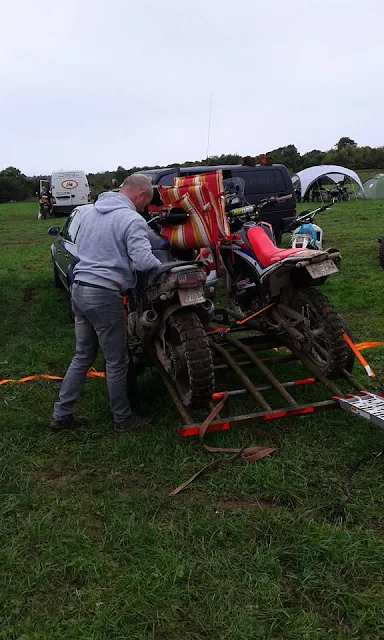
(373,188)
(308,177)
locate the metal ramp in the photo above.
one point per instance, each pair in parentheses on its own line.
(367,405)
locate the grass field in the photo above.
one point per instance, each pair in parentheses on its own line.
(92,545)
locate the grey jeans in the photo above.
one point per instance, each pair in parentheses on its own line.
(99,320)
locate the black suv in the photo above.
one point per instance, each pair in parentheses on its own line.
(261,181)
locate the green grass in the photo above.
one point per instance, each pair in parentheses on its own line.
(92,545)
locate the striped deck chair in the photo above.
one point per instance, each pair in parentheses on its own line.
(202,197)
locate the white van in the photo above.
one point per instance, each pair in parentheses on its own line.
(68,190)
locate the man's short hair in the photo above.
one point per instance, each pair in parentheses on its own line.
(137,182)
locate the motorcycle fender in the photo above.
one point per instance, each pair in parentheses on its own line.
(278,280)
(168,312)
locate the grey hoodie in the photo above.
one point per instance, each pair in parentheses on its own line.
(113,244)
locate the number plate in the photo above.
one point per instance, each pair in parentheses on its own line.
(190,297)
(322,269)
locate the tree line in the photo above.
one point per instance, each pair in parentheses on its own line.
(14,185)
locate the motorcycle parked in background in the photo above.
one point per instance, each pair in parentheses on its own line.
(339,194)
(44,208)
(306,234)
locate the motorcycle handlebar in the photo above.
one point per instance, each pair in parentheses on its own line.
(168,219)
(255,209)
(306,216)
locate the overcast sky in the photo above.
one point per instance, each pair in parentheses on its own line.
(91,84)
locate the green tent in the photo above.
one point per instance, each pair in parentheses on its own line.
(374,187)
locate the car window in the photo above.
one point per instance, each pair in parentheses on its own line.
(72,226)
(65,227)
(280,182)
(258,182)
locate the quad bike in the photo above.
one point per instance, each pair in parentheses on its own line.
(167,316)
(281,284)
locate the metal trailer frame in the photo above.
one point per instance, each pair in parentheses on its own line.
(235,352)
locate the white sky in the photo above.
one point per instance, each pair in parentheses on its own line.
(92,84)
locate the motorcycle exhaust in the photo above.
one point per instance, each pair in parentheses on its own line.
(147,324)
(205,311)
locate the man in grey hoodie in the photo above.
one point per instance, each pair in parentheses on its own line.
(112,245)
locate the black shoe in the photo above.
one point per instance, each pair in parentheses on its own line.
(133,423)
(67,423)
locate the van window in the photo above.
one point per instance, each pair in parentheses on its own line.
(259,181)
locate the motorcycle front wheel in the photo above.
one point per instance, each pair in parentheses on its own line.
(191,359)
(327,348)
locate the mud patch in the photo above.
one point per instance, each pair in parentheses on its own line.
(29,293)
(56,478)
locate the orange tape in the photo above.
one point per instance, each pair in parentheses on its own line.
(92,373)
(240,322)
(368,345)
(358,355)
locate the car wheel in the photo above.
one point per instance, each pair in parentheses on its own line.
(56,277)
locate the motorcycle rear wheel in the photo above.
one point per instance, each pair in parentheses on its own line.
(328,349)
(191,359)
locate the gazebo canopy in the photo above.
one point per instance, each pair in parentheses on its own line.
(307,177)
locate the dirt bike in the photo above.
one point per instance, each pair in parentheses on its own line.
(307,235)
(338,194)
(167,314)
(44,208)
(281,284)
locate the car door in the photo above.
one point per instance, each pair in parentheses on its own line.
(60,251)
(66,248)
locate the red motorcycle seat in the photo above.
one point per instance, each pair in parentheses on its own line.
(266,251)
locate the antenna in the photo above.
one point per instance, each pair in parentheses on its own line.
(209,124)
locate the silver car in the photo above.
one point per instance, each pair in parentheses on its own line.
(63,249)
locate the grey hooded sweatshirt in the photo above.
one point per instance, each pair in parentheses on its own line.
(113,243)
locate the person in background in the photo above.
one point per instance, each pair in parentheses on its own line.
(112,246)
